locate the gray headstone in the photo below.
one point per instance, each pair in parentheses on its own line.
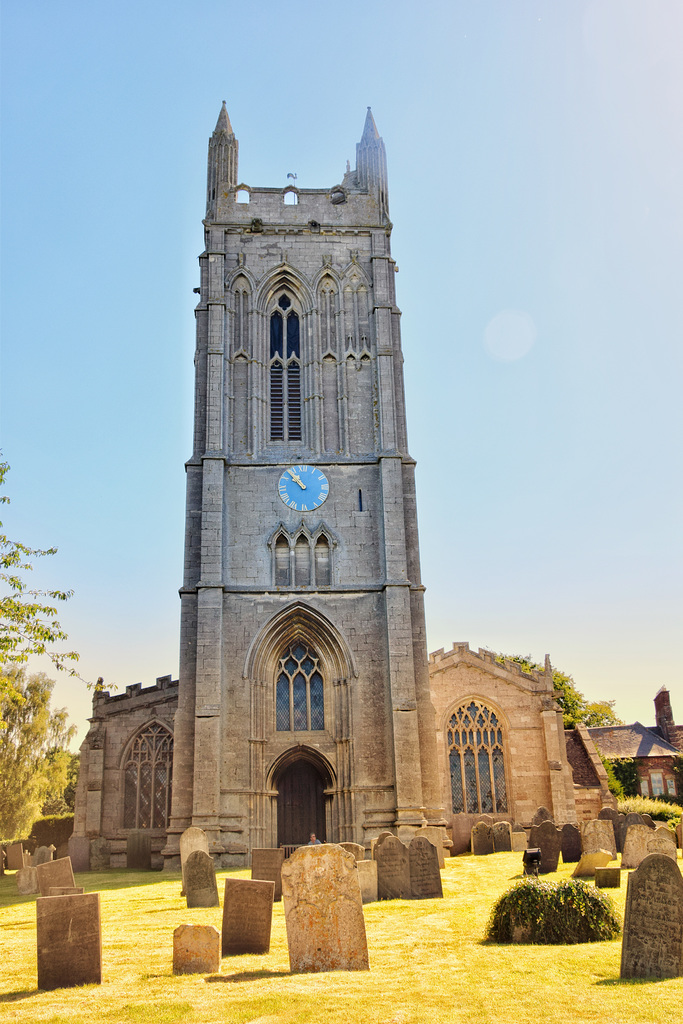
(192,839)
(571,844)
(488,819)
(598,834)
(647,820)
(42,855)
(482,838)
(266,866)
(139,850)
(393,870)
(376,843)
(69,940)
(548,839)
(324,910)
(27,881)
(99,854)
(79,851)
(247,916)
(502,837)
(367,878)
(542,814)
(55,872)
(355,849)
(662,841)
(652,946)
(618,823)
(632,818)
(436,837)
(425,877)
(635,845)
(519,841)
(200,881)
(15,857)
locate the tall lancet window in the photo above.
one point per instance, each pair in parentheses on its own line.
(299,701)
(285,373)
(477,763)
(147,774)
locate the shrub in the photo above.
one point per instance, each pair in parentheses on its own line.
(625,772)
(661,809)
(55,830)
(553,913)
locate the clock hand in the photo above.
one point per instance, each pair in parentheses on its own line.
(297,479)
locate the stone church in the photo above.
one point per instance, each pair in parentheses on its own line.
(306,700)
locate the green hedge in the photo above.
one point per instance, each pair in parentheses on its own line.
(54,830)
(661,809)
(553,913)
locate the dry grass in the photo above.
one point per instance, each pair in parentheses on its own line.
(428,964)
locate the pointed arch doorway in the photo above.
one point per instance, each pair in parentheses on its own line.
(303,785)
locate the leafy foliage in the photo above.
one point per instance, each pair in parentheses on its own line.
(575,707)
(614,784)
(54,830)
(659,809)
(553,913)
(678,774)
(625,771)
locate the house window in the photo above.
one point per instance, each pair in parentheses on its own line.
(476,759)
(644,787)
(285,373)
(657,782)
(299,704)
(147,774)
(671,787)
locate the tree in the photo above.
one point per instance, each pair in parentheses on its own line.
(34,761)
(575,707)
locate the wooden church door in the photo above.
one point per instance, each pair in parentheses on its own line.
(300,804)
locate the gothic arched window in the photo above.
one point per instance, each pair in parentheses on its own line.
(299,702)
(285,373)
(147,773)
(477,765)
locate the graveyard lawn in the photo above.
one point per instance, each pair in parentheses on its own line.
(428,963)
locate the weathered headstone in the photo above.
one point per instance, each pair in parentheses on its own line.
(608,878)
(633,818)
(247,916)
(42,855)
(482,839)
(99,854)
(436,838)
(367,877)
(200,880)
(598,834)
(519,843)
(425,877)
(357,851)
(571,844)
(647,820)
(393,870)
(679,833)
(652,946)
(488,819)
(196,949)
(502,837)
(635,845)
(139,850)
(66,890)
(15,857)
(589,863)
(542,814)
(376,843)
(662,844)
(548,839)
(54,872)
(27,881)
(69,940)
(266,865)
(79,851)
(618,823)
(324,910)
(192,839)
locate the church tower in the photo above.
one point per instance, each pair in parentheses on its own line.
(304,700)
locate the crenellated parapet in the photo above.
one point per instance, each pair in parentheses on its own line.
(532,680)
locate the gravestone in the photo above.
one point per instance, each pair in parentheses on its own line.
(376,843)
(542,814)
(393,870)
(482,839)
(571,844)
(66,890)
(590,862)
(608,878)
(635,845)
(196,949)
(139,850)
(367,878)
(324,910)
(79,852)
(502,837)
(192,839)
(488,819)
(679,833)
(425,877)
(15,857)
(652,946)
(69,940)
(54,872)
(598,834)
(435,836)
(247,916)
(27,881)
(355,849)
(519,843)
(99,854)
(200,881)
(548,839)
(632,818)
(42,855)
(618,823)
(662,844)
(266,865)
(647,820)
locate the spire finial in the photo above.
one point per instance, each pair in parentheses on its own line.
(370,132)
(223,122)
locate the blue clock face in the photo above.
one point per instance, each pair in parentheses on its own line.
(303,488)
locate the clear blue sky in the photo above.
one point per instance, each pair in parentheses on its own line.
(535,157)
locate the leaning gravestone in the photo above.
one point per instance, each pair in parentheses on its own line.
(571,844)
(393,870)
(27,881)
(355,849)
(266,866)
(502,837)
(590,862)
(598,834)
(635,845)
(376,843)
(435,836)
(43,854)
(79,851)
(200,881)
(647,820)
(324,910)
(482,839)
(663,844)
(99,854)
(54,872)
(653,923)
(247,916)
(425,877)
(192,839)
(69,940)
(139,850)
(367,877)
(196,949)
(542,814)
(548,839)
(15,857)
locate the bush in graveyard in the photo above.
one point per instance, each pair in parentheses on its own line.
(554,913)
(54,830)
(663,809)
